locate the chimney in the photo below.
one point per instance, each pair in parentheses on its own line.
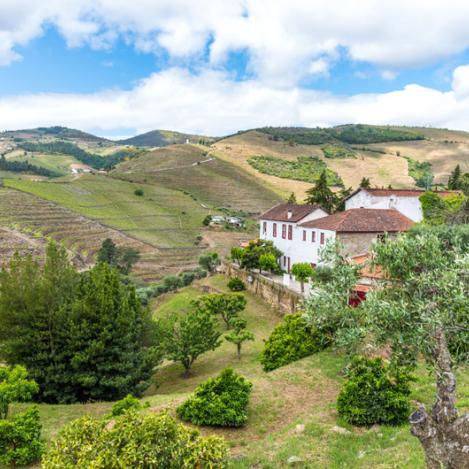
(289,214)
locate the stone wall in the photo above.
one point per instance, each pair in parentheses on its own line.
(279,297)
(356,243)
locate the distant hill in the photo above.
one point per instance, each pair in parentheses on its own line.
(162,138)
(388,155)
(53,132)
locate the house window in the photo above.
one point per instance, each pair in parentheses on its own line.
(304,235)
(274,230)
(322,238)
(313,236)
(290,232)
(264,227)
(284,231)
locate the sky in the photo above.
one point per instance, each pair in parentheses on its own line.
(117,67)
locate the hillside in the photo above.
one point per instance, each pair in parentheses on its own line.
(54,132)
(292,410)
(388,162)
(200,174)
(162,138)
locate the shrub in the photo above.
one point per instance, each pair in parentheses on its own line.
(122,406)
(290,340)
(220,401)
(236,284)
(134,440)
(139,192)
(20,438)
(206,221)
(373,395)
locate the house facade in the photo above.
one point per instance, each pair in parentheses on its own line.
(281,223)
(301,231)
(405,201)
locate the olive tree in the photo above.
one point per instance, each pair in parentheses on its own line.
(421,309)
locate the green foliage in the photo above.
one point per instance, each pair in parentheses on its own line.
(69,148)
(25,167)
(236,284)
(14,387)
(81,336)
(206,221)
(121,257)
(220,401)
(437,210)
(209,261)
(302,272)
(320,194)
(169,283)
(239,334)
(421,171)
(365,183)
(305,168)
(251,254)
(268,262)
(190,336)
(139,192)
(236,253)
(290,340)
(225,305)
(337,151)
(134,440)
(373,394)
(20,438)
(129,402)
(328,311)
(292,199)
(353,134)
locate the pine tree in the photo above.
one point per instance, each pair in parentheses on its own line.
(292,199)
(321,194)
(454,181)
(365,183)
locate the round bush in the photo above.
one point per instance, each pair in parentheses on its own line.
(134,440)
(220,401)
(290,340)
(373,395)
(236,284)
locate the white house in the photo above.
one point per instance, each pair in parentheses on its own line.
(405,200)
(80,168)
(300,231)
(280,225)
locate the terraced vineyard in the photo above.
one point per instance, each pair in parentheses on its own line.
(26,222)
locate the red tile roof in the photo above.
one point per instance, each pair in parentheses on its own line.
(280,212)
(399,192)
(363,220)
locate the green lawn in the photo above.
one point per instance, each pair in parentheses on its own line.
(300,393)
(162,217)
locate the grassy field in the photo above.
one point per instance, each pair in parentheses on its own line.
(54,162)
(209,180)
(301,393)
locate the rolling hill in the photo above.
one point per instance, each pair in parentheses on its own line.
(385,162)
(162,138)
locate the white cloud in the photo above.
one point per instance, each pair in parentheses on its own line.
(283,38)
(211,103)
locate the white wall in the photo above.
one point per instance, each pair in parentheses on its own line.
(296,249)
(408,206)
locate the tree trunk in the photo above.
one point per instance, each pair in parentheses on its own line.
(443,435)
(239,351)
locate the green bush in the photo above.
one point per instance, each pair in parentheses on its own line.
(122,406)
(290,340)
(220,401)
(236,284)
(372,394)
(20,438)
(139,192)
(134,440)
(337,151)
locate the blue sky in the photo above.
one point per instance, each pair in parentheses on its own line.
(216,67)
